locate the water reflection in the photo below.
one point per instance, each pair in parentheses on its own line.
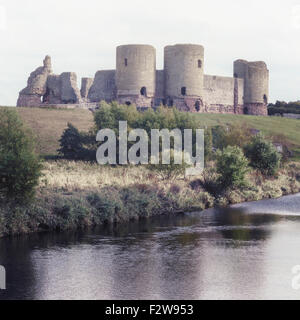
(217,254)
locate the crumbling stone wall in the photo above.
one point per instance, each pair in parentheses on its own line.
(53,91)
(103,87)
(31,96)
(182,83)
(159,88)
(86,84)
(44,87)
(69,90)
(223,95)
(62,89)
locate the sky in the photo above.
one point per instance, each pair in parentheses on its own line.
(81,36)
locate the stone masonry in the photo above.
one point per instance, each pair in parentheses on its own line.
(182,83)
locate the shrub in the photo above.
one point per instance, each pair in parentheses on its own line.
(232,167)
(138,204)
(233,135)
(219,133)
(175,189)
(20,167)
(196,184)
(169,171)
(70,213)
(106,206)
(263,155)
(72,143)
(210,182)
(109,115)
(286,153)
(237,135)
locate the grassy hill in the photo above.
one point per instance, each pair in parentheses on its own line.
(48,125)
(274,126)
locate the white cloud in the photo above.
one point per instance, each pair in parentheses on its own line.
(81,36)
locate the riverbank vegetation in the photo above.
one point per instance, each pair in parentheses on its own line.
(75,192)
(20,166)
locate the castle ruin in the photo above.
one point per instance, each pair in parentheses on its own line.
(182,83)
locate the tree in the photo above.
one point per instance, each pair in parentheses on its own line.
(20,166)
(71,144)
(263,155)
(76,145)
(232,167)
(109,115)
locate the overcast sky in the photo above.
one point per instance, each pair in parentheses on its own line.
(81,36)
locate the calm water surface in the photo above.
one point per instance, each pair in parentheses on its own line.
(244,252)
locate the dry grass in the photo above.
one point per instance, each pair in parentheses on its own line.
(78,195)
(76,176)
(49,124)
(72,176)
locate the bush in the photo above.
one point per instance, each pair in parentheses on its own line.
(232,167)
(107,206)
(169,171)
(210,182)
(20,167)
(71,213)
(109,115)
(219,133)
(233,135)
(73,143)
(263,155)
(286,146)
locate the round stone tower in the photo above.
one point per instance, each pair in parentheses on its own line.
(135,74)
(256,85)
(184,76)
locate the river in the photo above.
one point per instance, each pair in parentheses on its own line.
(246,251)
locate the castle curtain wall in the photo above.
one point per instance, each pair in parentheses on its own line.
(223,94)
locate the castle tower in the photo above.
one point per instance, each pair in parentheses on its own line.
(256,85)
(184,76)
(135,74)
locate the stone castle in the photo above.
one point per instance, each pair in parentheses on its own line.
(182,83)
